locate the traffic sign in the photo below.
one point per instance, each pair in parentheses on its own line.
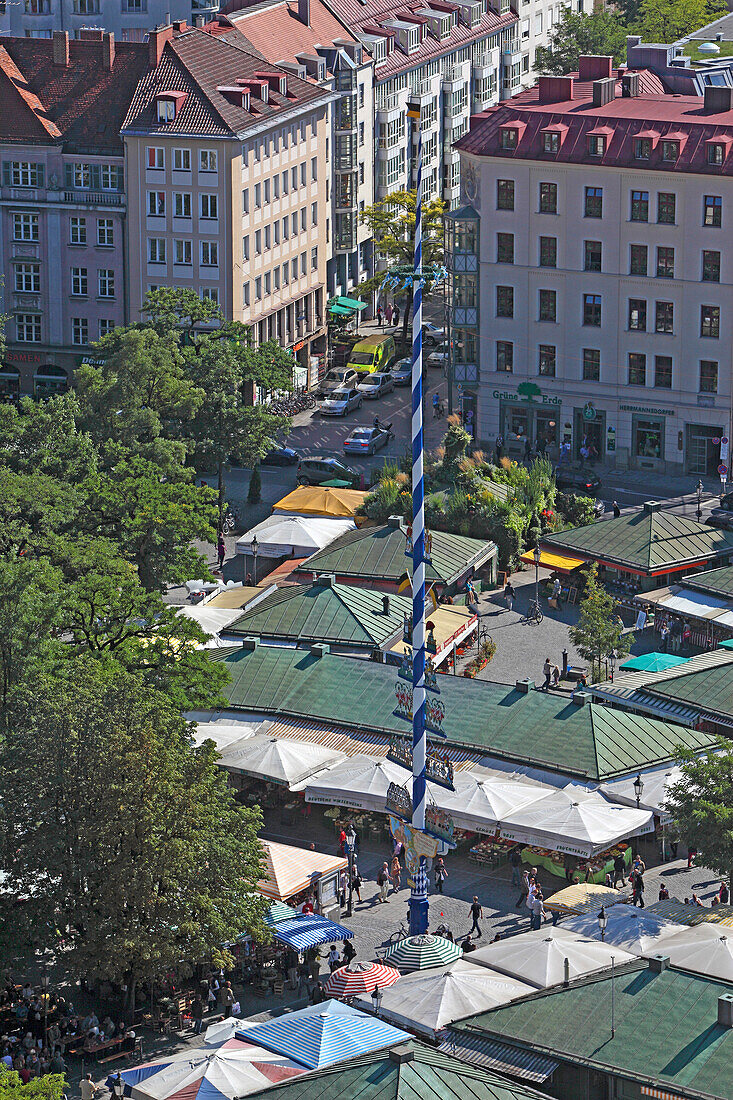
(722,469)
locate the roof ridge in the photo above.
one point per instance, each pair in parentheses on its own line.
(214,107)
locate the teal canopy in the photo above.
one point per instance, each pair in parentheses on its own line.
(727,644)
(653,662)
(336,308)
(351,303)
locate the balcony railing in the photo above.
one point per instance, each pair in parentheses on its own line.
(95,198)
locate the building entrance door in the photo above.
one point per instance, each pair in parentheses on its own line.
(590,426)
(702,455)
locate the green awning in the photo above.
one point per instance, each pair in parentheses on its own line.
(336,308)
(727,644)
(352,303)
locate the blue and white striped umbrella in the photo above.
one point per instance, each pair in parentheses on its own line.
(308,930)
(324,1034)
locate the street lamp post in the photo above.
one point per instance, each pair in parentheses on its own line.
(638,790)
(602,922)
(537,555)
(44,987)
(699,489)
(118,1087)
(350,848)
(255,548)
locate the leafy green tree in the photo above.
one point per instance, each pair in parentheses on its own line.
(254,492)
(598,632)
(578,34)
(29,617)
(392,224)
(119,832)
(49,1087)
(701,803)
(670,20)
(575,510)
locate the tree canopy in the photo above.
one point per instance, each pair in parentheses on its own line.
(701,803)
(599,630)
(670,20)
(579,33)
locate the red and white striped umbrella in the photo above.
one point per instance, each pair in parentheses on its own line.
(360,979)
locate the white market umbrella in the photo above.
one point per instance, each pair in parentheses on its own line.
(278,759)
(359,782)
(429,1000)
(539,957)
(479,802)
(654,793)
(705,948)
(286,536)
(575,821)
(223,1030)
(631,929)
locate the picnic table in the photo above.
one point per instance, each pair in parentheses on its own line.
(101,1052)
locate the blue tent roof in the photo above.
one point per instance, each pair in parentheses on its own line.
(308,930)
(324,1034)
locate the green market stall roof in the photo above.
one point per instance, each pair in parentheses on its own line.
(666,1027)
(405,1072)
(531,728)
(651,542)
(378,554)
(710,689)
(715,582)
(325,611)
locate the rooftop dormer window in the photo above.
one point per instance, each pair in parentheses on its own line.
(167,105)
(509,139)
(551,141)
(670,151)
(597,145)
(715,152)
(642,148)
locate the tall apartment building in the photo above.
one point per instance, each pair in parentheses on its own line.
(62,201)
(591,281)
(225,157)
(310,41)
(128,20)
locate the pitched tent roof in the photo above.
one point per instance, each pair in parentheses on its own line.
(592,741)
(410,1070)
(638,931)
(317,500)
(711,689)
(717,582)
(324,1034)
(81,106)
(289,870)
(539,958)
(325,612)
(277,759)
(281,536)
(706,949)
(378,553)
(651,542)
(666,1027)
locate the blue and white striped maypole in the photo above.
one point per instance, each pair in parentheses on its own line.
(418,896)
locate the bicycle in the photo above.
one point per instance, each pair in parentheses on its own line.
(534,613)
(400,933)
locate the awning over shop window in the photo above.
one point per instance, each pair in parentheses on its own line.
(561,563)
(336,308)
(491,1054)
(351,303)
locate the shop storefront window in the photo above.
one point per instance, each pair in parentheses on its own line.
(518,422)
(546,428)
(648,438)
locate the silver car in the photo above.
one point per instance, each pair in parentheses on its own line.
(341,402)
(402,372)
(377,384)
(439,357)
(365,441)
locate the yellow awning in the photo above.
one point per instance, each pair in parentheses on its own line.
(452,623)
(561,563)
(315,500)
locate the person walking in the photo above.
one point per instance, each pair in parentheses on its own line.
(476,913)
(379,315)
(383,883)
(619,869)
(227,999)
(691,853)
(197,1014)
(440,874)
(524,890)
(638,885)
(547,671)
(396,874)
(356,881)
(515,860)
(509,595)
(396,316)
(333,959)
(221,550)
(616,510)
(538,911)
(388,313)
(499,448)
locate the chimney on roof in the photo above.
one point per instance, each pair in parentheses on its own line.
(630,86)
(658,963)
(717,99)
(555,89)
(725,1010)
(108,51)
(651,506)
(61,49)
(385,605)
(156,44)
(304,12)
(179,26)
(594,67)
(199,21)
(604,91)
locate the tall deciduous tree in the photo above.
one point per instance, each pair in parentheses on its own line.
(701,803)
(670,20)
(392,224)
(51,1086)
(119,832)
(578,34)
(598,632)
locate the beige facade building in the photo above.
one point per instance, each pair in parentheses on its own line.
(225,157)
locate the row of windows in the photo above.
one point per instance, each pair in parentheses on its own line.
(208,204)
(271,235)
(593,257)
(208,159)
(79,175)
(28,328)
(105,231)
(182,252)
(80,282)
(597,144)
(271,281)
(592,309)
(593,206)
(285,182)
(591,366)
(270,145)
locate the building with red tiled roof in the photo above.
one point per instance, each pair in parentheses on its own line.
(127,20)
(63,202)
(591,283)
(226,189)
(306,38)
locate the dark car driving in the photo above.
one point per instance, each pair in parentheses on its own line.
(577,481)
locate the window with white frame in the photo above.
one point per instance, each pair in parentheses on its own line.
(106,281)
(79,330)
(156,250)
(28,328)
(106,325)
(25,227)
(156,204)
(28,278)
(24,173)
(209,254)
(208,160)
(182,204)
(105,232)
(77,231)
(182,252)
(79,282)
(156,157)
(210,294)
(181,160)
(209,206)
